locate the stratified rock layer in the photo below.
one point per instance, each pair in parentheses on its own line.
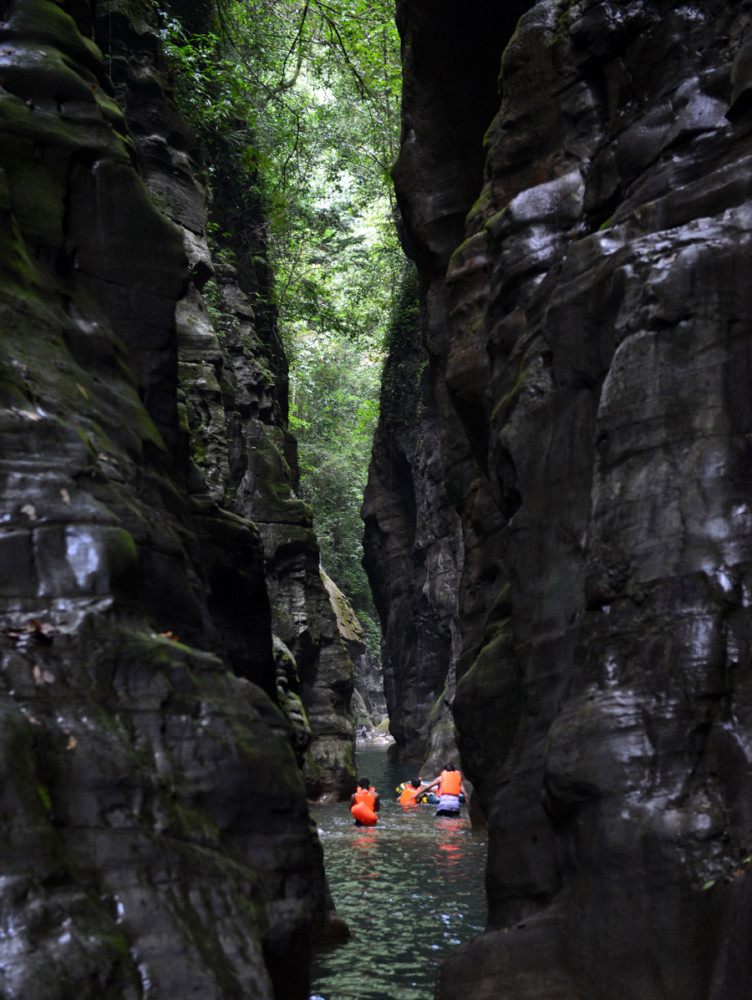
(233,393)
(590,332)
(155,839)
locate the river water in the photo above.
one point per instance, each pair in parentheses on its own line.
(411,889)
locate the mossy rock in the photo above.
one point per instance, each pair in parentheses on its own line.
(362,716)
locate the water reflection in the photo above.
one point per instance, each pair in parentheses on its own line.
(411,889)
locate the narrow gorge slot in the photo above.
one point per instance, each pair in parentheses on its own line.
(374,402)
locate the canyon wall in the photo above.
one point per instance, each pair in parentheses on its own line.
(156,838)
(233,389)
(574,179)
(413,549)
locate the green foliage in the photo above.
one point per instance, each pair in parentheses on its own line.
(371,631)
(405,356)
(404,322)
(44,795)
(333,413)
(213,303)
(301,101)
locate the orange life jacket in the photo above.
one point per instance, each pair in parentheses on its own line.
(369,796)
(406,798)
(451,782)
(363,809)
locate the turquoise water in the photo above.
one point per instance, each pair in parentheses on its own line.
(411,889)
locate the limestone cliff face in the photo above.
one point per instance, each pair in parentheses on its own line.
(369,707)
(413,551)
(156,838)
(233,394)
(585,273)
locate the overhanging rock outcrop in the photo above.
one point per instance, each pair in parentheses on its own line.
(589,325)
(156,838)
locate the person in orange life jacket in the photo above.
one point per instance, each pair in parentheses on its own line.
(407,796)
(366,794)
(450,782)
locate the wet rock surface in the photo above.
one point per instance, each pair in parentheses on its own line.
(588,326)
(156,838)
(413,552)
(368,703)
(233,395)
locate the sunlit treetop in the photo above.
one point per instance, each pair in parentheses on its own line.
(305,96)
